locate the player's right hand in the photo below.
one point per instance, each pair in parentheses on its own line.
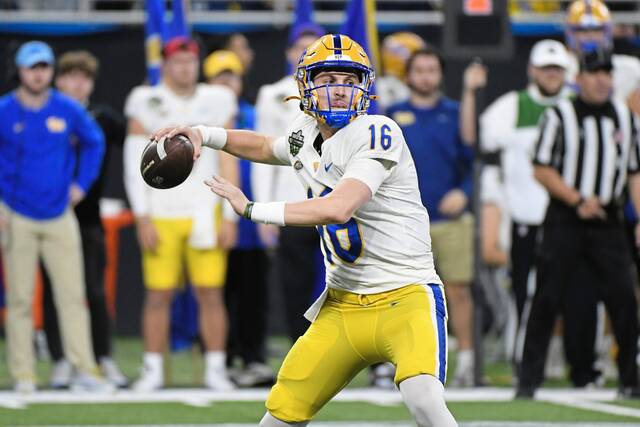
(147,233)
(193,134)
(4,222)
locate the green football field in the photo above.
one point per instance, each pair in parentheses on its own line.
(184,403)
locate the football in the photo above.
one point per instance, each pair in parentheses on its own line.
(168,162)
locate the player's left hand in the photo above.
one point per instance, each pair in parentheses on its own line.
(637,233)
(228,234)
(453,203)
(227,190)
(475,76)
(76,194)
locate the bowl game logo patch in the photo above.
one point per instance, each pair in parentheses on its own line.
(296,141)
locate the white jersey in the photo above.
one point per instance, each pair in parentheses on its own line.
(509,126)
(273,117)
(386,245)
(391,90)
(626,74)
(155,107)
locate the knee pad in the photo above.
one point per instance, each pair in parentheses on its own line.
(424,396)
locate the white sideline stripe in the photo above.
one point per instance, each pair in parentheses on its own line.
(599,407)
(483,394)
(581,399)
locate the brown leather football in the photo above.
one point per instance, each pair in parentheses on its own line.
(168,162)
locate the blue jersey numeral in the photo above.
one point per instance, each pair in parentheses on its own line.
(385,137)
(343,240)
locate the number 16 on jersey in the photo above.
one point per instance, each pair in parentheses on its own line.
(385,137)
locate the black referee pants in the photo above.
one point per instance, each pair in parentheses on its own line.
(246,300)
(524,251)
(296,270)
(571,248)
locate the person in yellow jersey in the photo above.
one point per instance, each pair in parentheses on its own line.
(384,300)
(396,50)
(178,229)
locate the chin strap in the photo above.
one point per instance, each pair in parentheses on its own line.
(291,98)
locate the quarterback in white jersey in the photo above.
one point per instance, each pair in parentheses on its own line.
(371,251)
(384,301)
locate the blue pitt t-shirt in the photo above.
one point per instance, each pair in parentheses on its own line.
(443,162)
(38,154)
(247,232)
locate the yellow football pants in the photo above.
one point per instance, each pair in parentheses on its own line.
(406,327)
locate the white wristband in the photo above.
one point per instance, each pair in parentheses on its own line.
(212,137)
(268,213)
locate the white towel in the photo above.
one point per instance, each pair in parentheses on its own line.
(203,230)
(313,311)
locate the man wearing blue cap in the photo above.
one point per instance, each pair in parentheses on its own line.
(42,133)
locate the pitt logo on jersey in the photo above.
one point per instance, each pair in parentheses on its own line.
(56,124)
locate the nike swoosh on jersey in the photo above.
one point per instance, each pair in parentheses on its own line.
(328,166)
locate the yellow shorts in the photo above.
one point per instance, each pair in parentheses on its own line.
(406,327)
(452,246)
(164,267)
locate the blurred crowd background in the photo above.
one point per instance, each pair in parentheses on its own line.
(440,66)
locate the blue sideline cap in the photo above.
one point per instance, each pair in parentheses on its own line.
(34,52)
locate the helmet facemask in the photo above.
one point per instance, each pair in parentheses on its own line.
(588,16)
(339,54)
(356,95)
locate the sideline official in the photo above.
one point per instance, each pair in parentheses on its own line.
(586,156)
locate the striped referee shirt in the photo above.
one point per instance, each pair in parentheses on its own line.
(594,148)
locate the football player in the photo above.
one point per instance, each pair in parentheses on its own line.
(396,50)
(178,229)
(384,300)
(588,25)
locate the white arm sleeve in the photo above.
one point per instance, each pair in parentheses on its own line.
(370,171)
(498,121)
(137,190)
(279,148)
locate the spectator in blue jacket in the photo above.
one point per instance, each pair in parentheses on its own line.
(40,182)
(439,143)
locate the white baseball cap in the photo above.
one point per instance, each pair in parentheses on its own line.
(549,52)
